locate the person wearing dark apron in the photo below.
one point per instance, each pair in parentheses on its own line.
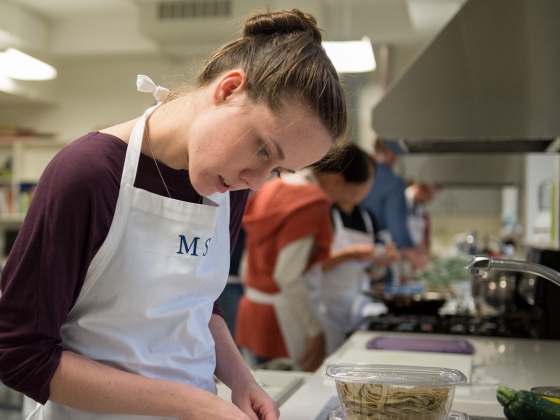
(341,298)
(358,256)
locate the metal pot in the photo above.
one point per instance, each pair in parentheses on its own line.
(427,303)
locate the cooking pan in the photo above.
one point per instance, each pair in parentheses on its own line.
(427,303)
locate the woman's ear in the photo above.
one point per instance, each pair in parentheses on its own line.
(229,85)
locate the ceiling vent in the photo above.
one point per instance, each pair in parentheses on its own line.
(209,22)
(193,9)
(194,22)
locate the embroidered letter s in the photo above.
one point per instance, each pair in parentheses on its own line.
(206,245)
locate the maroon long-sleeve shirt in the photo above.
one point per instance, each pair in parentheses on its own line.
(68,221)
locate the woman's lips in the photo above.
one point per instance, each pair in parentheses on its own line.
(221,185)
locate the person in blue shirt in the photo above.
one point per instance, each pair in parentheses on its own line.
(387,201)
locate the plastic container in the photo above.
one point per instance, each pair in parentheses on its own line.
(389,392)
(340,413)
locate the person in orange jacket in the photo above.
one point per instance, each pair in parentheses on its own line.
(289,236)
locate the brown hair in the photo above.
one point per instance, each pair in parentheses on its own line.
(351,162)
(282,55)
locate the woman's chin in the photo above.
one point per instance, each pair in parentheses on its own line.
(202,189)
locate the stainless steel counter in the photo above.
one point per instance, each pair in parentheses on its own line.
(517,363)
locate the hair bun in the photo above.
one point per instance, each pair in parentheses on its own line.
(281,22)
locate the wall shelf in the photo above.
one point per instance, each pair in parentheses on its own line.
(25,159)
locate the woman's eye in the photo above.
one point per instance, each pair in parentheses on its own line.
(263,150)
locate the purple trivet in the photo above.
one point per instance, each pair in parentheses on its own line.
(435,345)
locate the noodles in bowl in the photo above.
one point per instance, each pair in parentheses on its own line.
(382,392)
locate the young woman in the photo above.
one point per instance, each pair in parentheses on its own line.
(108,308)
(289,236)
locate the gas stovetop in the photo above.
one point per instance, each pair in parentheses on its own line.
(519,325)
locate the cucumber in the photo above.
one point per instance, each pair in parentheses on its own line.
(525,405)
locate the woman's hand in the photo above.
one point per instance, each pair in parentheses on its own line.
(314,353)
(254,402)
(386,255)
(208,406)
(361,252)
(231,369)
(355,252)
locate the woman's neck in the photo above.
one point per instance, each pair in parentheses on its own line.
(346,208)
(168,133)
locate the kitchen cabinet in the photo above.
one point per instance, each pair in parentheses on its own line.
(467,201)
(516,363)
(22,161)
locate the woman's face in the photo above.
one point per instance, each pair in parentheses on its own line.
(352,194)
(237,144)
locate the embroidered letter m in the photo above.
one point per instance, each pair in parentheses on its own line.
(188,247)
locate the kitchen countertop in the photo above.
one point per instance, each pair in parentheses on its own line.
(513,362)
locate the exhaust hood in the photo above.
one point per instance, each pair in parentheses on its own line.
(488,82)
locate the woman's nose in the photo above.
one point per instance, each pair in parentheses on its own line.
(256,178)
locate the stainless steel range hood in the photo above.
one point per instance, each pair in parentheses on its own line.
(488,82)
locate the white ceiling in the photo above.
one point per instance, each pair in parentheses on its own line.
(96,27)
(57,10)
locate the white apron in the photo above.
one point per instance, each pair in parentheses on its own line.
(293,332)
(416,227)
(341,299)
(415,219)
(149,291)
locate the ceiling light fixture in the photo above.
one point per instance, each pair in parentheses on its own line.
(351,56)
(18,65)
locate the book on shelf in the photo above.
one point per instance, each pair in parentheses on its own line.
(25,196)
(7,204)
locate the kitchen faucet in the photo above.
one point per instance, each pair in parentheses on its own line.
(480,266)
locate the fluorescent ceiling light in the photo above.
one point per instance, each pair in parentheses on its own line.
(351,56)
(18,65)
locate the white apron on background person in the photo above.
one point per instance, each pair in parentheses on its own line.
(295,330)
(149,291)
(416,222)
(341,299)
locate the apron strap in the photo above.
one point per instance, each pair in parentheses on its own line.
(256,296)
(337,220)
(367,220)
(143,84)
